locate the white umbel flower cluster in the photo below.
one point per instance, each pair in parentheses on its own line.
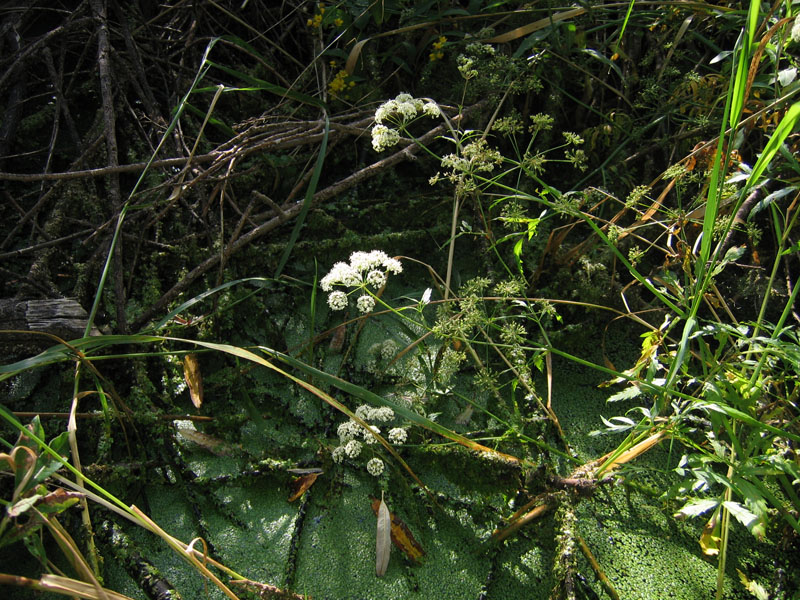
(375,466)
(365,269)
(399,112)
(398,435)
(353,436)
(384,137)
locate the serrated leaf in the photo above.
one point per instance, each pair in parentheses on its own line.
(755,588)
(626,394)
(747,518)
(695,507)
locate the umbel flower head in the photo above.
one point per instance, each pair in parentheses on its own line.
(399,112)
(364,271)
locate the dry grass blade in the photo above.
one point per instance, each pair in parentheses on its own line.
(185,551)
(597,569)
(611,462)
(265,590)
(500,534)
(535,26)
(75,588)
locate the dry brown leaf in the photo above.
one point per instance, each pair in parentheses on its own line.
(401,535)
(193,378)
(210,443)
(383,547)
(302,483)
(631,453)
(337,339)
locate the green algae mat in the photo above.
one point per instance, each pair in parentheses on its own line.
(323,544)
(231,486)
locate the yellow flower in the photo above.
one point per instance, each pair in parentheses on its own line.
(338,21)
(339,83)
(316,21)
(437,53)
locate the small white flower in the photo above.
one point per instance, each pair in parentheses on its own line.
(403,97)
(407,110)
(383,137)
(381,414)
(362,412)
(364,303)
(367,261)
(393,265)
(388,349)
(376,278)
(426,296)
(431,109)
(384,110)
(398,435)
(375,466)
(368,437)
(455,163)
(347,431)
(352,448)
(338,454)
(337,300)
(340,274)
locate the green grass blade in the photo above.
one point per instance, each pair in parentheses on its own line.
(201,73)
(312,188)
(624,25)
(372,398)
(266,86)
(199,298)
(787,125)
(742,60)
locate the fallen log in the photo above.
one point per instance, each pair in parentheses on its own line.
(20,319)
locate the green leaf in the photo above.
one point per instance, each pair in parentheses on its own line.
(696,507)
(792,249)
(626,394)
(23,506)
(753,524)
(755,588)
(260,84)
(46,464)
